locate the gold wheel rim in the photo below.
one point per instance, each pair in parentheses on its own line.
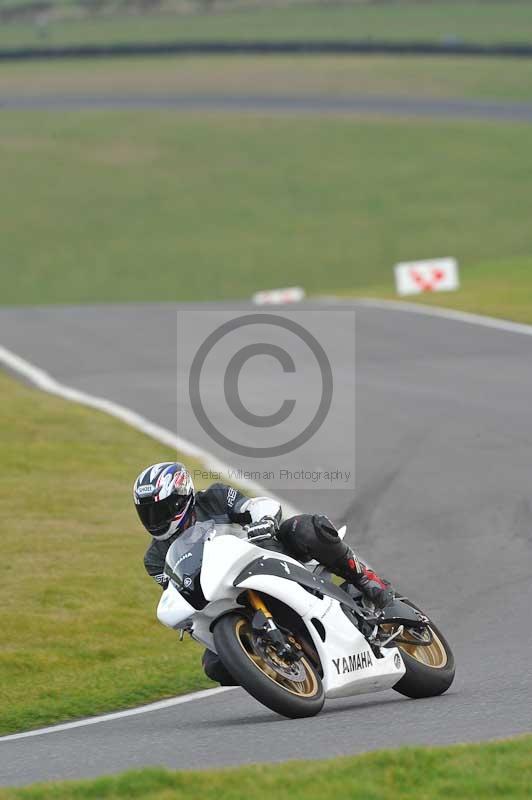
(306,688)
(430,655)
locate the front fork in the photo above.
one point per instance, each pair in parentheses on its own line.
(263,623)
(257,603)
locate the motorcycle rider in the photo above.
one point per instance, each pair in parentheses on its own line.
(167,505)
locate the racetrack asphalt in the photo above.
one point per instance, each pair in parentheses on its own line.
(443,507)
(279,104)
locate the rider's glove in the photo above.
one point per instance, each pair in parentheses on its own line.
(265,528)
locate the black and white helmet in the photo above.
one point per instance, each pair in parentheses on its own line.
(164,498)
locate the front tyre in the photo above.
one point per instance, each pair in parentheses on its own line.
(430,667)
(290,689)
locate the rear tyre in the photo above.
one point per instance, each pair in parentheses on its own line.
(290,689)
(430,668)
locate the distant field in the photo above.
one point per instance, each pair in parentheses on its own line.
(449,20)
(85,639)
(494,78)
(465,772)
(109,206)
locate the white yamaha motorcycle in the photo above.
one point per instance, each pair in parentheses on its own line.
(290,636)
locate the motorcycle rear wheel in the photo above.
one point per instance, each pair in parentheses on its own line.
(292,690)
(430,668)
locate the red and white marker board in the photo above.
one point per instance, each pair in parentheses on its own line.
(437,275)
(277,297)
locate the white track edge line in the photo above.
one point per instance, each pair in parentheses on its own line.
(129,712)
(445,313)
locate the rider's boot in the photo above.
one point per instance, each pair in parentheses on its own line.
(215,670)
(375,588)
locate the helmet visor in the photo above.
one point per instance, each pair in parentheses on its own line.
(157,516)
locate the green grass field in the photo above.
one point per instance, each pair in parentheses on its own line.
(134,206)
(472,20)
(445,77)
(79,633)
(464,772)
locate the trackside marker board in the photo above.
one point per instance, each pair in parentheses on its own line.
(437,275)
(293,294)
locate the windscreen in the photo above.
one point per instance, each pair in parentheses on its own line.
(184,559)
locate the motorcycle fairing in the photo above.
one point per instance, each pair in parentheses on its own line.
(280,568)
(225,557)
(173,610)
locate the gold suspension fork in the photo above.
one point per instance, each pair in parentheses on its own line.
(257,603)
(274,634)
(283,646)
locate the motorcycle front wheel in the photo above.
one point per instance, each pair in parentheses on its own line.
(292,689)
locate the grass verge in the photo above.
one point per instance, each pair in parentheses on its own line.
(79,634)
(162,206)
(469,20)
(464,772)
(440,77)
